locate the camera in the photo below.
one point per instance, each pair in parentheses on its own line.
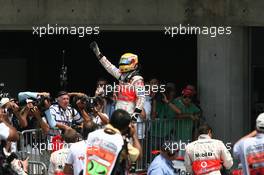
(90,102)
(40,103)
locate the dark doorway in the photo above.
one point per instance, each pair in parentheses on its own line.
(257,74)
(169,59)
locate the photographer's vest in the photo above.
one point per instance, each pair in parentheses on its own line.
(102,151)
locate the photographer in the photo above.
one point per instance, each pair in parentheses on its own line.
(35,108)
(79,101)
(116,149)
(91,109)
(96,114)
(11,109)
(9,164)
(32,117)
(7,132)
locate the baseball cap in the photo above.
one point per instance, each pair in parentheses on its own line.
(3,101)
(260,122)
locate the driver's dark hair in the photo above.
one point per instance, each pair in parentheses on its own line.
(204,129)
(120,119)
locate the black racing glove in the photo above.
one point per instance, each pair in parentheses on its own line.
(96,50)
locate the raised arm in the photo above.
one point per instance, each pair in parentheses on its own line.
(114,71)
(24,95)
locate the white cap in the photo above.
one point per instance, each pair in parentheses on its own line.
(260,122)
(4,101)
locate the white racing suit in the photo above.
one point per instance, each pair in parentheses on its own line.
(250,151)
(206,156)
(131,94)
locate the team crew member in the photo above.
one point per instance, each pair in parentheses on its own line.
(206,155)
(250,149)
(75,159)
(105,147)
(131,93)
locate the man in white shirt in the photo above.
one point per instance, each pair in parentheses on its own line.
(7,132)
(59,157)
(76,157)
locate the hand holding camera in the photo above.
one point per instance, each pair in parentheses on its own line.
(81,104)
(35,111)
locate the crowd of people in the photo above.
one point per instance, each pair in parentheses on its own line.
(72,115)
(104,133)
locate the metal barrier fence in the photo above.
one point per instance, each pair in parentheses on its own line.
(151,133)
(34,144)
(37,168)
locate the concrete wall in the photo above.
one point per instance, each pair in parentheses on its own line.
(223,78)
(117,14)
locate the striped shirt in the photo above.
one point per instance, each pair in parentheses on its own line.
(68,117)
